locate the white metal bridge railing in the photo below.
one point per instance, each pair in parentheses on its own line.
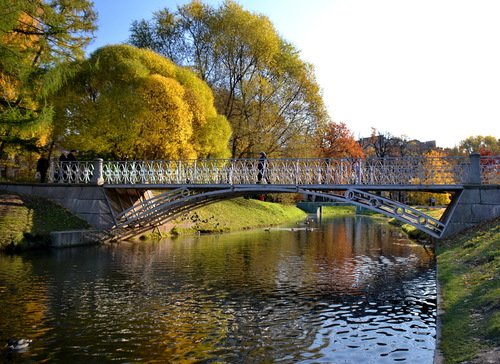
(286,171)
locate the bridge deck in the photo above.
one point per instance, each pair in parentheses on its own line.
(266,187)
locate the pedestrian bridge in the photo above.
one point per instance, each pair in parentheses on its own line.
(145,194)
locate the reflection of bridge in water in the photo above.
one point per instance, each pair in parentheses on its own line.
(146,194)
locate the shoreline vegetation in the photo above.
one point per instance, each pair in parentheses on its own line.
(233,215)
(27,221)
(468,264)
(469,278)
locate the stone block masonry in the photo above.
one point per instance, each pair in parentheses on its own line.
(85,201)
(476,204)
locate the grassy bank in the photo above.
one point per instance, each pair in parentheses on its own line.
(26,221)
(469,276)
(234,215)
(340,210)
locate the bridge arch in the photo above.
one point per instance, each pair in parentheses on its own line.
(170,204)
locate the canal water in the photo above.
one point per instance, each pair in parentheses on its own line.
(348,290)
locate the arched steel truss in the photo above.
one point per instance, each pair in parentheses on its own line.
(168,205)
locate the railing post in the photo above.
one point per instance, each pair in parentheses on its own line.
(357,170)
(51,172)
(178,172)
(475,168)
(97,177)
(230,178)
(296,172)
(195,173)
(319,179)
(341,172)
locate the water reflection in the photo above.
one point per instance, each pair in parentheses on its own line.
(350,290)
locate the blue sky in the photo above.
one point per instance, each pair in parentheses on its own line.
(424,69)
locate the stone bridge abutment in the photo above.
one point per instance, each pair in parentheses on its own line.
(475,205)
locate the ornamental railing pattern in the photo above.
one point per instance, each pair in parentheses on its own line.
(70,172)
(286,171)
(490,169)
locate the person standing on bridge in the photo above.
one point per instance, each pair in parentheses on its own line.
(263,167)
(42,165)
(71,156)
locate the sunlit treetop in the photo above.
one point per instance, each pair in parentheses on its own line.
(131,103)
(36,38)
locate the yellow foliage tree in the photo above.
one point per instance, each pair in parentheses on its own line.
(166,128)
(36,38)
(437,171)
(130,103)
(268,94)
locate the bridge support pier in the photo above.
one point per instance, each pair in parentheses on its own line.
(475,205)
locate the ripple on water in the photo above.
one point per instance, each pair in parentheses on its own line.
(239,298)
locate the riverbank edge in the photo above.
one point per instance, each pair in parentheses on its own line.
(27,222)
(233,215)
(468,295)
(480,351)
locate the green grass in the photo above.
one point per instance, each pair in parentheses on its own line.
(469,272)
(26,221)
(234,215)
(338,210)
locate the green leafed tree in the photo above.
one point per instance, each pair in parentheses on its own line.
(36,38)
(480,144)
(268,94)
(131,103)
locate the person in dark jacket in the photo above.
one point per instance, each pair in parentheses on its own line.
(71,156)
(42,165)
(262,167)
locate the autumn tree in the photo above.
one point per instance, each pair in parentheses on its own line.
(130,103)
(269,95)
(437,171)
(480,144)
(337,141)
(36,38)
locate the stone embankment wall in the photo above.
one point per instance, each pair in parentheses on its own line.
(475,205)
(85,201)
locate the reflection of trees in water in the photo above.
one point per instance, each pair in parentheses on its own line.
(238,297)
(350,255)
(23,299)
